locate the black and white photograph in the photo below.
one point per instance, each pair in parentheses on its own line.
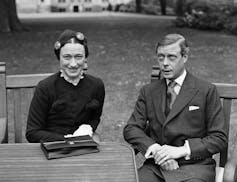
(118,90)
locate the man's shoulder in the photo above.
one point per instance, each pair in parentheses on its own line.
(153,85)
(200,83)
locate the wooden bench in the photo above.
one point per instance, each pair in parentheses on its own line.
(16,92)
(227,92)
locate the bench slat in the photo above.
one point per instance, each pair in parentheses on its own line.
(24,81)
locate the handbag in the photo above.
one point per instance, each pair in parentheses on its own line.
(72,146)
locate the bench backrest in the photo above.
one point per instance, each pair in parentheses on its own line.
(16,92)
(227,93)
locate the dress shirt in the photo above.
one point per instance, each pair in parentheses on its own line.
(179,82)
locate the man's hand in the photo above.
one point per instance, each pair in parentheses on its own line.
(170,165)
(152,150)
(167,152)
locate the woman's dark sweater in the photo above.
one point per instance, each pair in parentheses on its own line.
(59,108)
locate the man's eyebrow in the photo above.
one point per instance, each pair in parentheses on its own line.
(172,54)
(169,54)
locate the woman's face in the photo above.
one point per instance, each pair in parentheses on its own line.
(72,59)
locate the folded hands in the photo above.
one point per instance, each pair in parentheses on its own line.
(165,156)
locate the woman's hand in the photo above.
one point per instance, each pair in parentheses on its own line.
(84,129)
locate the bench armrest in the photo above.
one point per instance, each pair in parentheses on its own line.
(3,125)
(230,173)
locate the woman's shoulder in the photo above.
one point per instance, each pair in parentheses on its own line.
(93,79)
(49,81)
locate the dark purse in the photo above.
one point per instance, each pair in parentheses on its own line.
(72,146)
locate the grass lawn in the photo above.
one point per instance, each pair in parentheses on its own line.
(122,52)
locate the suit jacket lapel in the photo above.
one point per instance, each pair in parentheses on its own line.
(187,92)
(159,99)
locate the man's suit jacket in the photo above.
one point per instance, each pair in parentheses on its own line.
(196,116)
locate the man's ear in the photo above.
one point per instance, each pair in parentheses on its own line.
(185,58)
(186,53)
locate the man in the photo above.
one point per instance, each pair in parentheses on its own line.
(177,122)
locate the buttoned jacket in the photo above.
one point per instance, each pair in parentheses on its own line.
(196,116)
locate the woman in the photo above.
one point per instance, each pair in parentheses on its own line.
(70,102)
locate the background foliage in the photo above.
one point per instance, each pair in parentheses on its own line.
(209,16)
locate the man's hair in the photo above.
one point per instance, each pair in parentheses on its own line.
(174,38)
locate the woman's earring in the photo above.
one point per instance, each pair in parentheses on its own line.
(85,66)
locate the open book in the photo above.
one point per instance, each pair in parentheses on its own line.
(69,147)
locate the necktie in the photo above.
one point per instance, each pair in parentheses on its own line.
(171,95)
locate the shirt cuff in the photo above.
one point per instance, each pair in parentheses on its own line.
(188,150)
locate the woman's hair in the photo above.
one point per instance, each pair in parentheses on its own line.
(70,36)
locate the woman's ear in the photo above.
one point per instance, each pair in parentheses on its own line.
(85,65)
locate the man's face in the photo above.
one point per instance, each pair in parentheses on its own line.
(170,60)
(72,59)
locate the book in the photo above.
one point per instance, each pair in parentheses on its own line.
(72,146)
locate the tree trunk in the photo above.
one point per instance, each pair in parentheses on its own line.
(163,7)
(8,17)
(179,7)
(4,21)
(138,6)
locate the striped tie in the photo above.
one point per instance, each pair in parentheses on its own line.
(171,95)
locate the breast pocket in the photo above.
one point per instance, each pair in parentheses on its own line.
(195,116)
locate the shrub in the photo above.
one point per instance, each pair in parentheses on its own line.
(181,22)
(117,7)
(129,7)
(206,16)
(232,27)
(150,9)
(204,21)
(124,8)
(232,10)
(211,21)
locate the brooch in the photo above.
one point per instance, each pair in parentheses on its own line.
(57,45)
(80,36)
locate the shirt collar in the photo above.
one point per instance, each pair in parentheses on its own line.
(74,81)
(180,79)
